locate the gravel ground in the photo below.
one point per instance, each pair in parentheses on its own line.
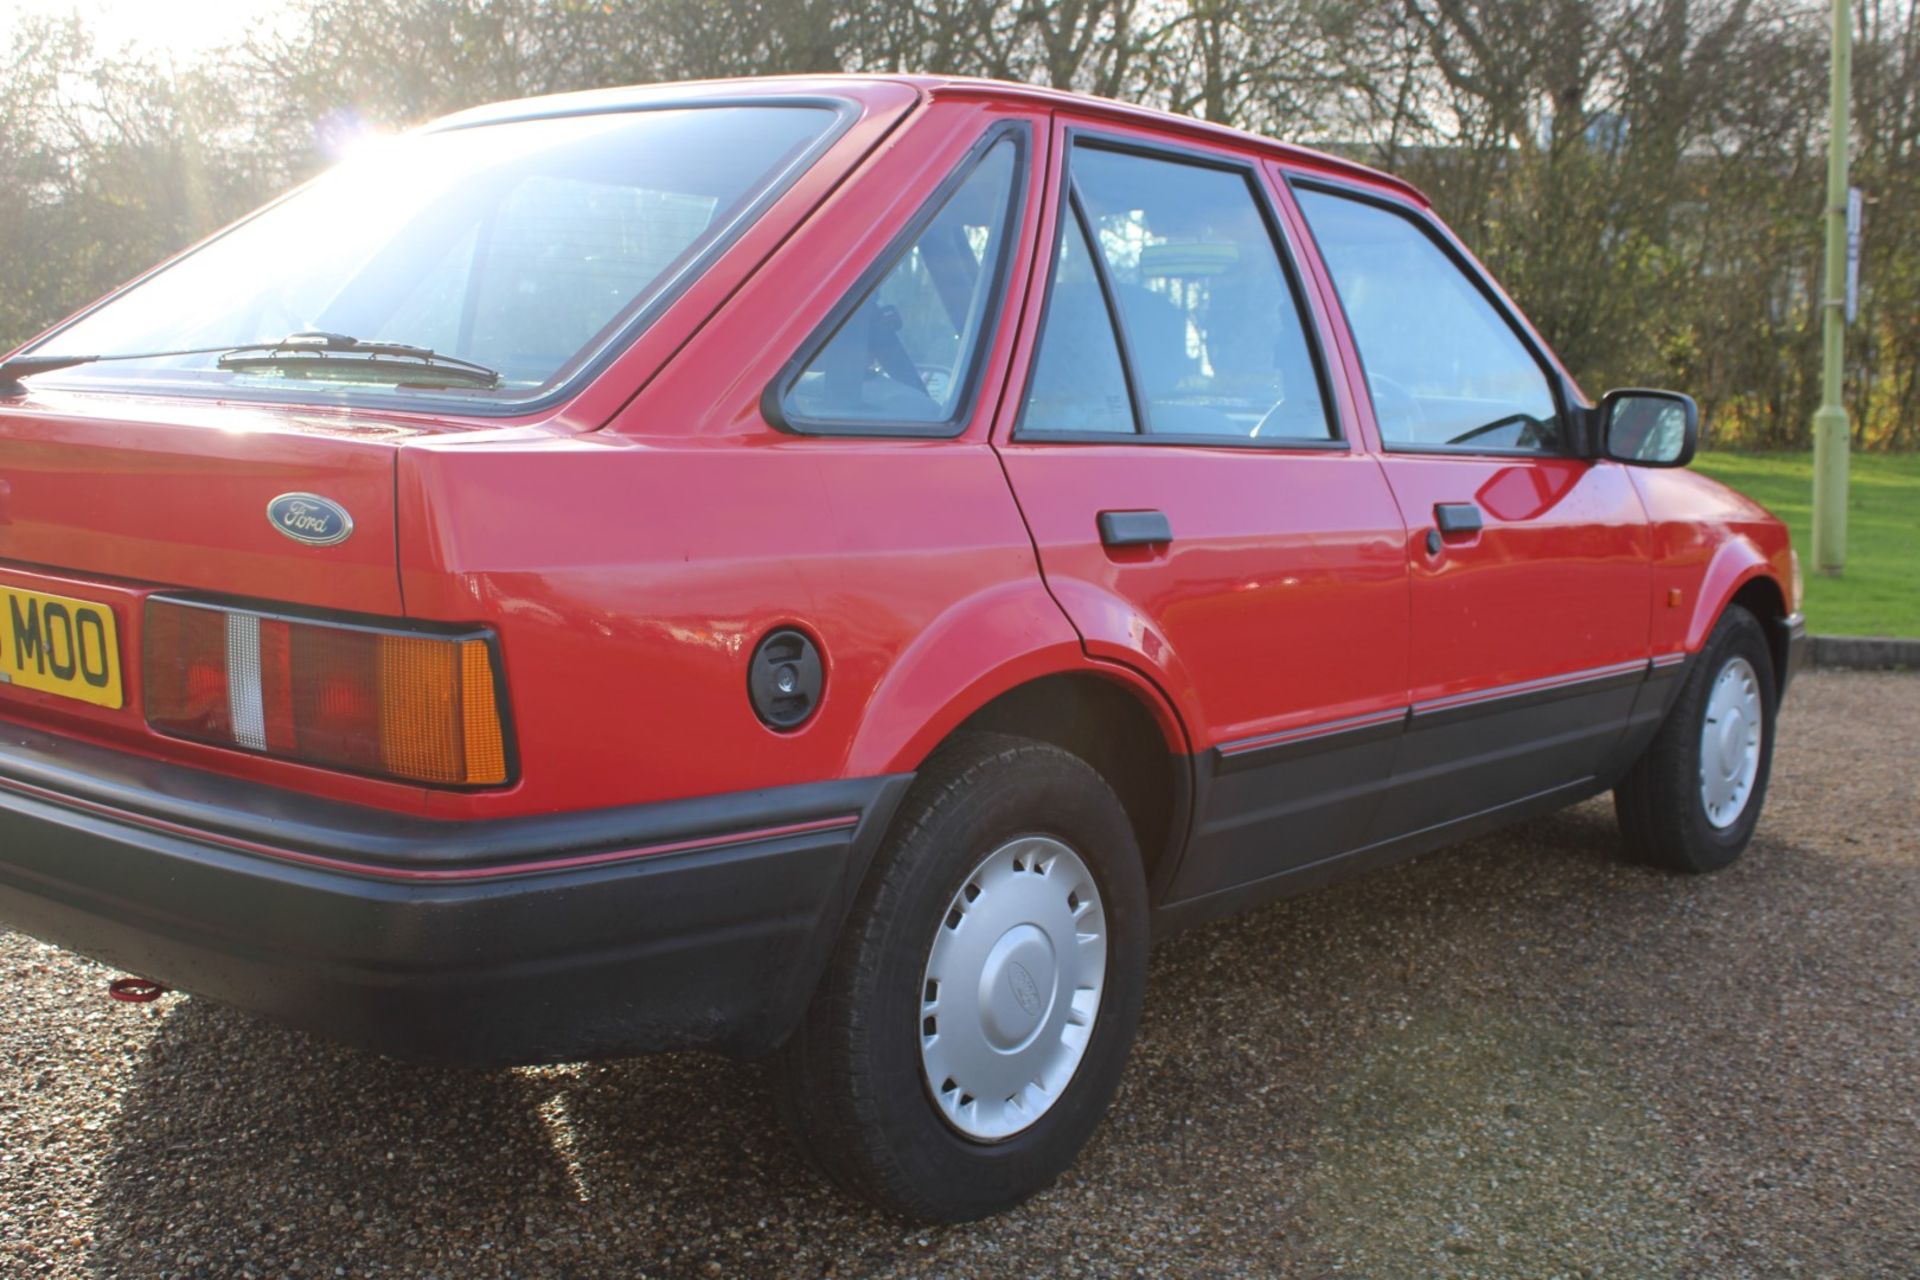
(1513,1058)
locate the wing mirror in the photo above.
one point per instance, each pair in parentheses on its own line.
(1648,428)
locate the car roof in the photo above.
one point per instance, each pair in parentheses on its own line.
(861,87)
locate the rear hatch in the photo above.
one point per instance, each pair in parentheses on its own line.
(273,530)
(176,494)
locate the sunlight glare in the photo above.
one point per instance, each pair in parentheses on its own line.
(165,30)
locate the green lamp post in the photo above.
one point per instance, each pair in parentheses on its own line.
(1830,430)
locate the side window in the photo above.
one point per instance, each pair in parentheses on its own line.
(1442,363)
(907,350)
(1213,327)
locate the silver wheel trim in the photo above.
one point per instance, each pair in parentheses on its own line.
(1011,988)
(1730,743)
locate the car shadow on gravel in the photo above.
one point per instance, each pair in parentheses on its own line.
(245,1147)
(1441,1066)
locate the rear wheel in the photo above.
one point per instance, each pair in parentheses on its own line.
(978,1011)
(1691,802)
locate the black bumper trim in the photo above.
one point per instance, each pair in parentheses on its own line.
(715,943)
(170,797)
(1793,636)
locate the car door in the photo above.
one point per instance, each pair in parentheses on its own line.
(1201,512)
(1529,563)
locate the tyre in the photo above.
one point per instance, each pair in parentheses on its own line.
(1690,803)
(972,1025)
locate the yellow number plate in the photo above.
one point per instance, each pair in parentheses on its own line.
(61,646)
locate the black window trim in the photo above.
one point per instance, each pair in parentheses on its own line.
(1249,170)
(567,385)
(1564,399)
(1116,316)
(956,422)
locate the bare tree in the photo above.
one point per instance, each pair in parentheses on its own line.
(1643,174)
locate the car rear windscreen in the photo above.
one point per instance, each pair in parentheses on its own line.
(528,247)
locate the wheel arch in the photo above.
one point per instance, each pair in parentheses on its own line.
(1107,717)
(1740,573)
(1009,661)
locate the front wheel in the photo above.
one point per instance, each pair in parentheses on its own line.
(973,1024)
(1691,802)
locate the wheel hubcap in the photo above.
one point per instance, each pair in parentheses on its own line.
(1012,987)
(1730,743)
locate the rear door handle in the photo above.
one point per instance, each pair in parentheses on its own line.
(1134,529)
(1457,517)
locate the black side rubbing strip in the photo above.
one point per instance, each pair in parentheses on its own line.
(1332,735)
(1249,753)
(1502,699)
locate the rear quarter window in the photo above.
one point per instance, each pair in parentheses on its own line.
(904,352)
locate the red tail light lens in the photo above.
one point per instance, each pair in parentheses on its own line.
(398,704)
(186,673)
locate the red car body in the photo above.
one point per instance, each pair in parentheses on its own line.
(1294,686)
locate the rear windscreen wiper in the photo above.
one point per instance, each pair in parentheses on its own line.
(302,353)
(324,355)
(11,371)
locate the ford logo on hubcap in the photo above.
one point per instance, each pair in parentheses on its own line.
(1026,992)
(310,518)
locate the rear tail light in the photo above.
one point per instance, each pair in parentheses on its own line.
(399,704)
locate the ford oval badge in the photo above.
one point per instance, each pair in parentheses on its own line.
(310,518)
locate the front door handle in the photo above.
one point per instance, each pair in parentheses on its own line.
(1134,529)
(1457,517)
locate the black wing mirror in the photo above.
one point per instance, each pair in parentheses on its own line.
(1649,428)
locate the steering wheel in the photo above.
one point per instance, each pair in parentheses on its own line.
(935,379)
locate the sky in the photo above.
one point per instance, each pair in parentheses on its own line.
(181,29)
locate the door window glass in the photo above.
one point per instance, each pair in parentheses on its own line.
(1213,326)
(908,348)
(1444,366)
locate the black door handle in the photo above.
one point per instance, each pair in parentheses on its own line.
(1457,517)
(1134,529)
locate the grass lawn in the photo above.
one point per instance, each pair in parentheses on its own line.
(1880,592)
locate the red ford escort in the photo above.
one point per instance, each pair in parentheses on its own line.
(829,567)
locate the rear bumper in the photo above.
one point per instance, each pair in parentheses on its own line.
(689,924)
